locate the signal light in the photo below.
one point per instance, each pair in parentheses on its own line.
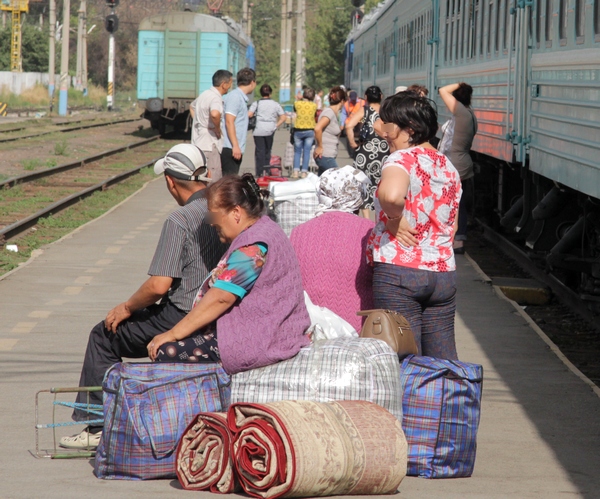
(111,23)
(358,3)
(357,16)
(112,3)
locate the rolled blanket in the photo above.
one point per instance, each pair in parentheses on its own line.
(204,455)
(306,449)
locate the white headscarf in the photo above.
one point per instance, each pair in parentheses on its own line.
(342,189)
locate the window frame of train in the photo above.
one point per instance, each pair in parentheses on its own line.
(596,19)
(474,8)
(548,22)
(580,21)
(562,22)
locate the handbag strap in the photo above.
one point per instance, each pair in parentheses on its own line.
(368,312)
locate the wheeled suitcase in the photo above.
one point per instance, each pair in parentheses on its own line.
(147,407)
(441,405)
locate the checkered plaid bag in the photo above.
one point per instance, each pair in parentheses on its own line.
(325,371)
(147,407)
(441,404)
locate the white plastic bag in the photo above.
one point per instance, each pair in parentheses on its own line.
(325,324)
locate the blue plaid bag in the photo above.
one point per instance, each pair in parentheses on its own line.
(441,405)
(147,407)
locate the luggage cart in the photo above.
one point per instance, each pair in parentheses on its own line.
(94,410)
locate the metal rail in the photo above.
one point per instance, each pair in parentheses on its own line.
(22,225)
(62,130)
(30,177)
(564,294)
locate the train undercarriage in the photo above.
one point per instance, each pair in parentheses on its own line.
(557,227)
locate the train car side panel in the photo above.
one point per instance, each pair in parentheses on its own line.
(213,56)
(180,54)
(150,77)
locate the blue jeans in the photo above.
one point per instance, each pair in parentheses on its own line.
(303,141)
(325,164)
(427,300)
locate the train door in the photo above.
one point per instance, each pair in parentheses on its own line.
(180,50)
(521,47)
(150,77)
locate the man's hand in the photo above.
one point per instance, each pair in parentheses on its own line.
(117,315)
(218,132)
(318,152)
(401,230)
(236,152)
(158,341)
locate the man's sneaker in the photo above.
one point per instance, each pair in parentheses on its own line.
(83,440)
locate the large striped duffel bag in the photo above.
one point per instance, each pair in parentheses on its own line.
(441,405)
(326,371)
(147,407)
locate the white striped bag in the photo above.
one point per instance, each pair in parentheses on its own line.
(327,370)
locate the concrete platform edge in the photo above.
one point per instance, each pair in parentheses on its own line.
(535,327)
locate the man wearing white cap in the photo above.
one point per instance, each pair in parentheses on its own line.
(188,249)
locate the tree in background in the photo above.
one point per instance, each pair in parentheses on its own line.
(34,48)
(328,25)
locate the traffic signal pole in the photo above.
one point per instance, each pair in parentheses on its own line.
(111,23)
(111,72)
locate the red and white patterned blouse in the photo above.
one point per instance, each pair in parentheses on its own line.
(431,207)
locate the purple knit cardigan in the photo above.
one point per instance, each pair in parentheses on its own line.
(268,324)
(335,273)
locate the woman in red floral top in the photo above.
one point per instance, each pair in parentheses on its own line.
(416,211)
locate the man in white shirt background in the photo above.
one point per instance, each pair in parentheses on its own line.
(207,111)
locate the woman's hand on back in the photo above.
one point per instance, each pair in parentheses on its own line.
(402,231)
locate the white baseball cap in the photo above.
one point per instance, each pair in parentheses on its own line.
(183,162)
(400,88)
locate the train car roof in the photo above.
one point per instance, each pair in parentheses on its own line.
(370,19)
(192,22)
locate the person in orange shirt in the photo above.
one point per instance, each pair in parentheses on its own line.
(352,105)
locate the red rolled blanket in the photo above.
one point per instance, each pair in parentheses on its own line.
(204,455)
(306,449)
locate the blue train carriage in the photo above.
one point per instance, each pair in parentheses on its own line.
(178,52)
(535,69)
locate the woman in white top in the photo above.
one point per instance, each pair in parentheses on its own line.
(327,131)
(269,116)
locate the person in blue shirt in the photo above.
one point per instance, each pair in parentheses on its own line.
(235,122)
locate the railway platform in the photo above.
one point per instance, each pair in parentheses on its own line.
(540,425)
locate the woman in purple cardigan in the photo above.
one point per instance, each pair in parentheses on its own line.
(250,312)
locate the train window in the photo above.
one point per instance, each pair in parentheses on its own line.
(507,23)
(562,21)
(489,26)
(597,20)
(580,20)
(474,25)
(549,15)
(538,22)
(498,20)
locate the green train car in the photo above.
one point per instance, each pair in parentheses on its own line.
(178,52)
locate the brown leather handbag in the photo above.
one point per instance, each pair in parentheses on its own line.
(391,327)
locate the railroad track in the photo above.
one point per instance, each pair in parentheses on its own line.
(46,192)
(561,291)
(79,126)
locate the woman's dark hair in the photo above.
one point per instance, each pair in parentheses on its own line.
(373,94)
(413,113)
(337,95)
(266,90)
(418,89)
(463,94)
(232,191)
(309,94)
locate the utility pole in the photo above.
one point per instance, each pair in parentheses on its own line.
(84,74)
(250,19)
(283,96)
(79,47)
(51,52)
(300,23)
(64,60)
(288,46)
(245,16)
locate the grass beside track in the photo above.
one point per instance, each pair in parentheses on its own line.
(56,226)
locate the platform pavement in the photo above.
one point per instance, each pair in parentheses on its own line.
(539,433)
